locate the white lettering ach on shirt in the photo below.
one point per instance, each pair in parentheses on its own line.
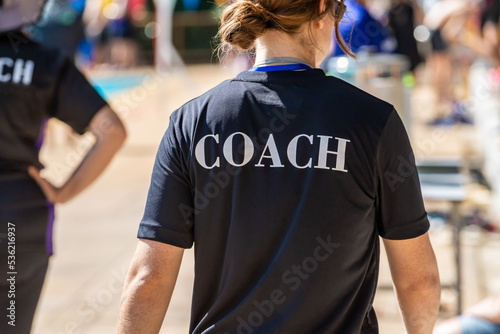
(270,155)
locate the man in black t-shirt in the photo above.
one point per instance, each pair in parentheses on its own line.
(38,83)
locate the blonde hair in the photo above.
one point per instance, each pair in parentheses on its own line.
(243,21)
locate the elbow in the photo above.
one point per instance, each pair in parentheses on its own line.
(108,128)
(433,287)
(120,134)
(117,131)
(426,288)
(429,282)
(114,134)
(146,282)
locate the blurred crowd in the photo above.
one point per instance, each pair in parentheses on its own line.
(448,36)
(121,33)
(116,33)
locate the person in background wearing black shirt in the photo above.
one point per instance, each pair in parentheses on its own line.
(490,20)
(37,83)
(283,179)
(402,22)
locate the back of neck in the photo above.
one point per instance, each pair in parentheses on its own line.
(276,44)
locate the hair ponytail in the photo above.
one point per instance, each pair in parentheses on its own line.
(243,21)
(339,12)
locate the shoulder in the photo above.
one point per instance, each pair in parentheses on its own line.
(357,100)
(193,109)
(50,55)
(21,46)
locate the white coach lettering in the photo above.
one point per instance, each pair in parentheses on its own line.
(274,155)
(23,71)
(247,151)
(292,152)
(323,153)
(199,152)
(8,63)
(270,151)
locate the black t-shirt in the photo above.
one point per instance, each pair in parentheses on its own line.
(401,21)
(37,83)
(492,13)
(284,181)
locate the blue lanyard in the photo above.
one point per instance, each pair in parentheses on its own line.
(288,67)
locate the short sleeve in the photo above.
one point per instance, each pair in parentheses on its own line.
(169,212)
(77,101)
(400,208)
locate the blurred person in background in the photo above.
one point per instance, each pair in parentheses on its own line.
(283,178)
(440,67)
(482,318)
(61,26)
(363,31)
(116,38)
(490,19)
(402,15)
(37,83)
(116,46)
(446,20)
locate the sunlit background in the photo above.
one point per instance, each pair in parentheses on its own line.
(436,61)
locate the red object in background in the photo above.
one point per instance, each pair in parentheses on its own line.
(135,6)
(477,219)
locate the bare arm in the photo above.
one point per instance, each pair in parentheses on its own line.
(110,134)
(418,12)
(148,287)
(488,309)
(416,281)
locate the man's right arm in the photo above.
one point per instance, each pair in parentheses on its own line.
(488,309)
(416,281)
(148,287)
(110,135)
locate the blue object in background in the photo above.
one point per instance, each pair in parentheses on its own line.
(475,325)
(108,86)
(191,5)
(359,28)
(78,5)
(86,52)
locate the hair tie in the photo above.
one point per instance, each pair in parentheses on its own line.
(263,12)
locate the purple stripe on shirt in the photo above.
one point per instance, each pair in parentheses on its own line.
(43,128)
(50,229)
(50,226)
